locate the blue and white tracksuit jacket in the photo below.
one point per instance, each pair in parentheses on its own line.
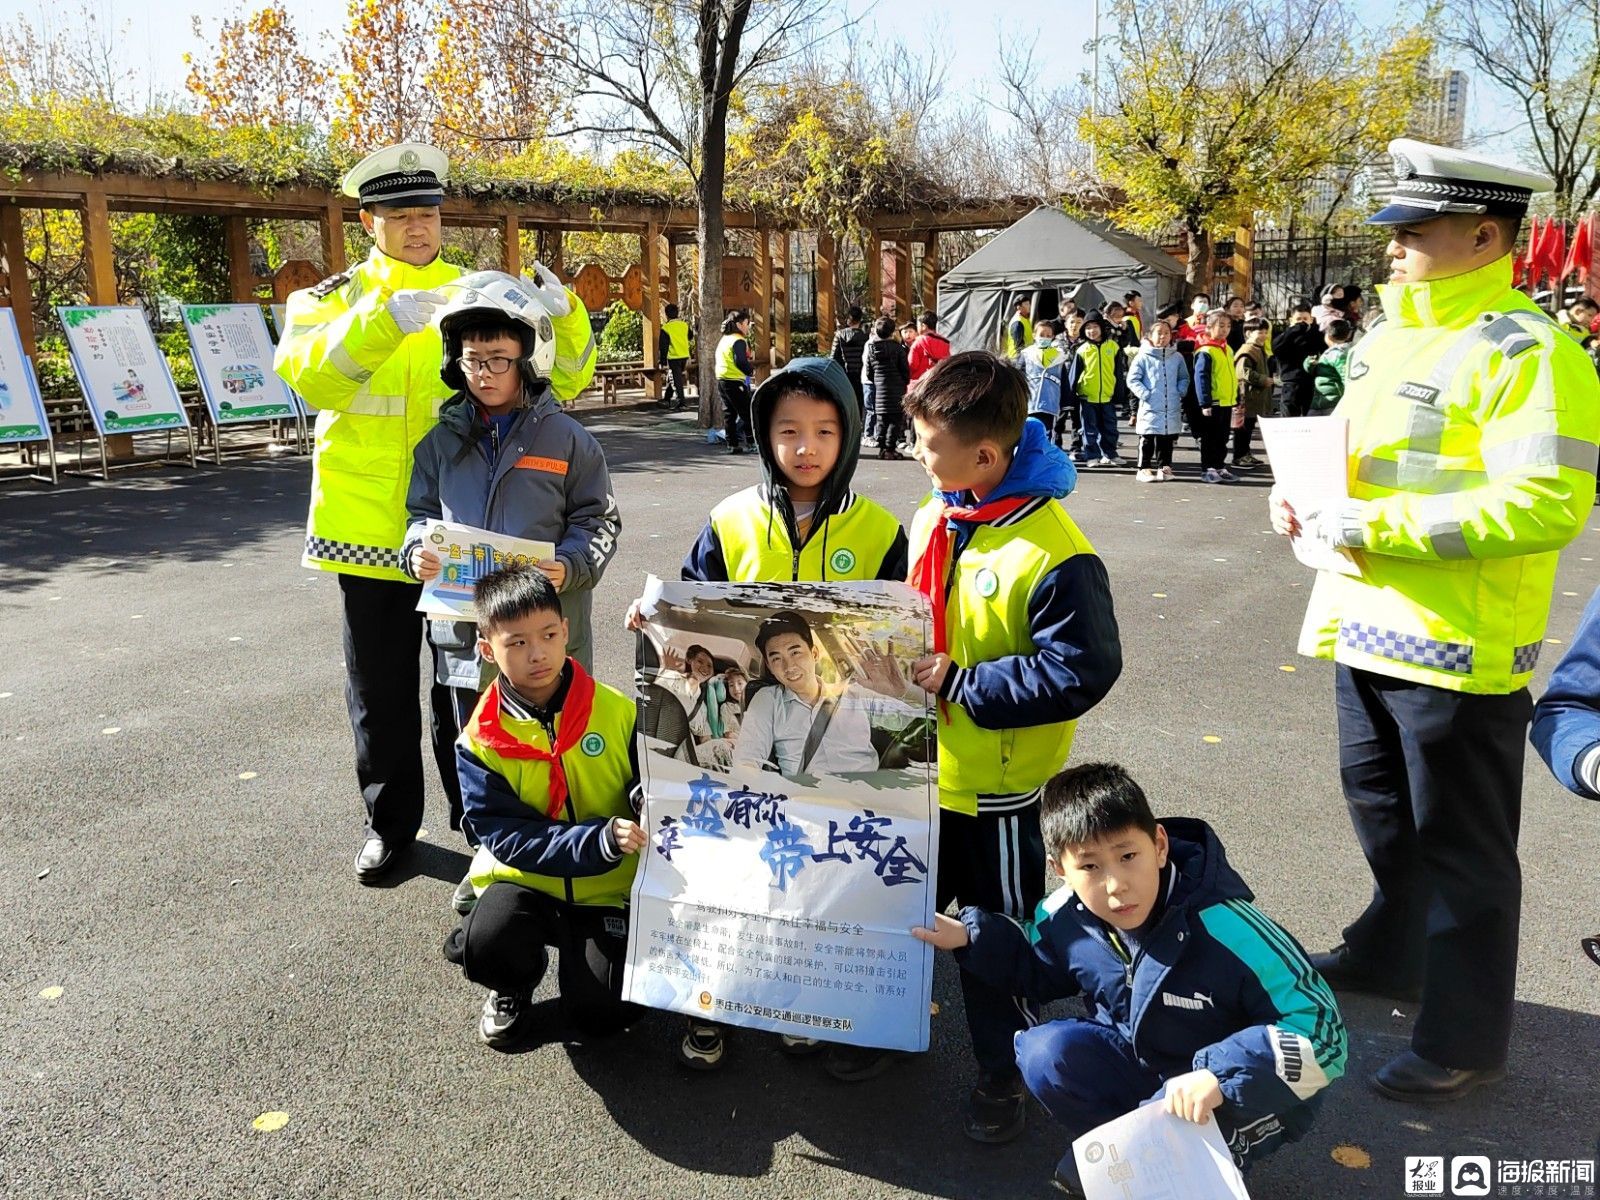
(1215,985)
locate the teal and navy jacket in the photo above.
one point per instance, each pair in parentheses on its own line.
(1214,986)
(1566,721)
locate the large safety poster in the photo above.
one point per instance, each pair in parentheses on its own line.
(789,771)
(233,357)
(22,417)
(124,377)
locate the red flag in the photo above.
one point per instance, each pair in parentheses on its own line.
(1556,255)
(1530,254)
(1582,250)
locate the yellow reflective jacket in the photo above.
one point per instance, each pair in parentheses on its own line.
(853,543)
(677,331)
(1473,423)
(599,773)
(378,392)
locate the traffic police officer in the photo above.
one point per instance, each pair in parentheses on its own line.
(362,349)
(1472,423)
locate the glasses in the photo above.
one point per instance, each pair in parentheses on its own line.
(498,365)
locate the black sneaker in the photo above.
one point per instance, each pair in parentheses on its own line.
(852,1064)
(505,1018)
(702,1048)
(997,1109)
(800,1047)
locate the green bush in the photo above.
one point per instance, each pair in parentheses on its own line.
(624,331)
(803,345)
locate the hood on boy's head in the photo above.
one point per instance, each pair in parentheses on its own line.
(1095,317)
(817,375)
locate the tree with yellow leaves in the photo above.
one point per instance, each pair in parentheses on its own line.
(256,74)
(1222,109)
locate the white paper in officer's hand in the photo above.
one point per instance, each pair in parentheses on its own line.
(1149,1154)
(1309,457)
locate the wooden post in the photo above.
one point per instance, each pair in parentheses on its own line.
(1244,263)
(827,258)
(780,299)
(669,269)
(97,248)
(102,279)
(332,223)
(511,244)
(761,350)
(19,290)
(650,245)
(930,271)
(874,276)
(241,280)
(902,280)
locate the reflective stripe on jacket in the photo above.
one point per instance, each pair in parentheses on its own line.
(1473,423)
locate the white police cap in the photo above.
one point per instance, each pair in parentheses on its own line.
(1431,181)
(410,173)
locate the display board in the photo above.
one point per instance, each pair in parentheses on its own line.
(22,415)
(232,353)
(124,377)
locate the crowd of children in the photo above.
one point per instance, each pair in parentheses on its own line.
(1025,642)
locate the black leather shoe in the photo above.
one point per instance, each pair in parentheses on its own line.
(1414,1080)
(1345,974)
(375,859)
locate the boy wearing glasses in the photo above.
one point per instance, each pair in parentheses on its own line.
(505,458)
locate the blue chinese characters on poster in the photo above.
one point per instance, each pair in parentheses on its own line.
(788,765)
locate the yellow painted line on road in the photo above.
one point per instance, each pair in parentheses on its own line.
(270,1122)
(52,993)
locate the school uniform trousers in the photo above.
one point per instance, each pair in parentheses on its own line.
(1433,779)
(382,638)
(504,944)
(995,861)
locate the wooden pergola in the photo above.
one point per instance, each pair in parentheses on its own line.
(661,225)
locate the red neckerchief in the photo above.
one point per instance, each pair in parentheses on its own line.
(1208,340)
(488,732)
(933,564)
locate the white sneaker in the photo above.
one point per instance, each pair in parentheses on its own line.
(1211,476)
(1147,476)
(505,1018)
(1108,462)
(1166,474)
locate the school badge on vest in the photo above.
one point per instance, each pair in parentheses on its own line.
(843,561)
(593,745)
(987,583)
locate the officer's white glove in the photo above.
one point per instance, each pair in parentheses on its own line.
(413,310)
(551,293)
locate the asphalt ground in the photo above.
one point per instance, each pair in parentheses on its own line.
(185,947)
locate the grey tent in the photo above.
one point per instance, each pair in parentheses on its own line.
(1046,257)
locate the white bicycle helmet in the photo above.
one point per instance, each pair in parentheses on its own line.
(486,293)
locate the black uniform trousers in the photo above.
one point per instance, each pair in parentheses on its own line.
(677,388)
(501,945)
(382,640)
(736,411)
(1434,783)
(995,861)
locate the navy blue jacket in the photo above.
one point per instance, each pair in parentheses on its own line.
(1216,986)
(1566,721)
(1071,619)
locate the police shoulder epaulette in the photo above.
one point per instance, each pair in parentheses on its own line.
(329,285)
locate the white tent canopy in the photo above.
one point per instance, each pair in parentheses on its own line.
(1046,257)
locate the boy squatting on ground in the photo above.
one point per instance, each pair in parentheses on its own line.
(1196,997)
(801,523)
(548,781)
(505,458)
(1025,643)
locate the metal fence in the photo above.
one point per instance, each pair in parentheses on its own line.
(1290,264)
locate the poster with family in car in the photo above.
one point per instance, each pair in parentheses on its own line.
(789,768)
